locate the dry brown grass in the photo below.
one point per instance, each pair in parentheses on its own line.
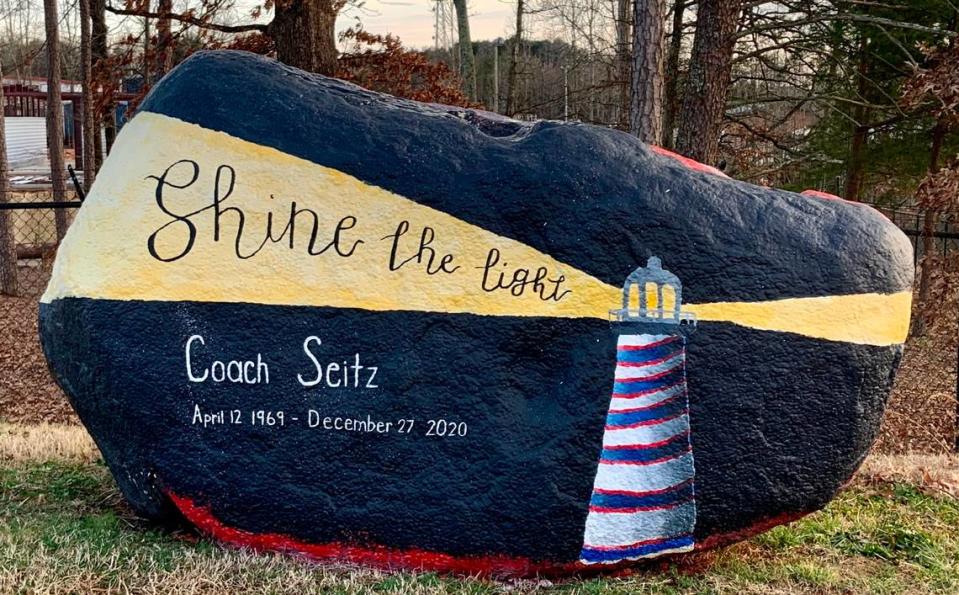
(200,571)
(67,442)
(938,473)
(46,442)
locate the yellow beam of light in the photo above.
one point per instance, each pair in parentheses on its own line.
(105,256)
(868,318)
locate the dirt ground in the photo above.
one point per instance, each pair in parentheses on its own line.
(920,418)
(27,393)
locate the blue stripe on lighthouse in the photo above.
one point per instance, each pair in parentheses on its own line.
(637,385)
(646,455)
(662,411)
(659,546)
(626,500)
(648,355)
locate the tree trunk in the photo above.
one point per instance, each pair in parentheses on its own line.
(928,232)
(623,60)
(671,99)
(710,69)
(55,113)
(303,31)
(86,72)
(8,245)
(855,170)
(164,39)
(514,61)
(646,107)
(103,114)
(467,60)
(147,69)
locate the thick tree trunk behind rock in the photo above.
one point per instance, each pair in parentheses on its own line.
(467,59)
(303,31)
(8,246)
(709,75)
(646,106)
(55,113)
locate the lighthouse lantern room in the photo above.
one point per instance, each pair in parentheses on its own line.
(652,294)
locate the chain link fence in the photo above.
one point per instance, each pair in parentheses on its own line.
(921,416)
(33,228)
(922,412)
(911,221)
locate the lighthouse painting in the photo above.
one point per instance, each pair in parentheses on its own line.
(643,501)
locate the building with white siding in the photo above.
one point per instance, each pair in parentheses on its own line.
(26,142)
(25,120)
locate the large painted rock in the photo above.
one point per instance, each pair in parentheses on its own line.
(308,317)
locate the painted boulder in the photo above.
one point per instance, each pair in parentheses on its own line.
(308,317)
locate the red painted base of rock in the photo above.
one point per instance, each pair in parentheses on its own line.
(390,559)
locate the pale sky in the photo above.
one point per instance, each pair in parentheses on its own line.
(412,20)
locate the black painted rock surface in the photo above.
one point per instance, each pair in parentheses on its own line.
(310,317)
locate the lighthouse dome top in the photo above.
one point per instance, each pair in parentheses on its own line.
(653,272)
(652,294)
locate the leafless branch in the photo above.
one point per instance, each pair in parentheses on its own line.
(189,19)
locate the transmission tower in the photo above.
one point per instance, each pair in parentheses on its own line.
(444,25)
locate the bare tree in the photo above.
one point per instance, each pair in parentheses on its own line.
(147,71)
(8,245)
(164,38)
(86,81)
(855,173)
(103,116)
(18,22)
(514,61)
(302,31)
(467,60)
(933,89)
(671,93)
(646,106)
(623,61)
(710,69)
(930,218)
(55,113)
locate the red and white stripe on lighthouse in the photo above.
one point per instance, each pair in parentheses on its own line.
(643,501)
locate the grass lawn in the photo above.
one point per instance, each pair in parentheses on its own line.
(64,528)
